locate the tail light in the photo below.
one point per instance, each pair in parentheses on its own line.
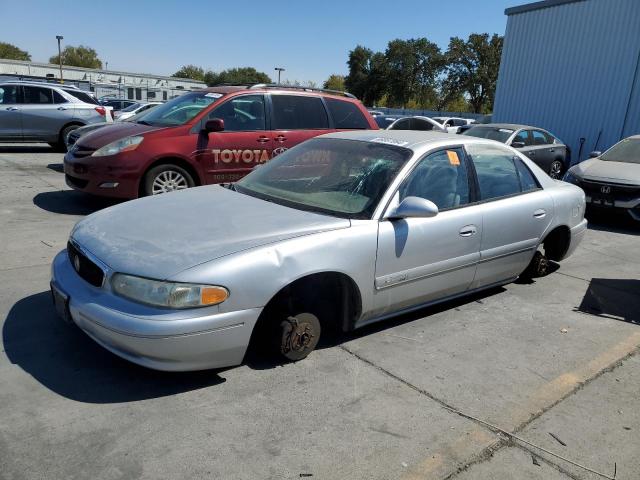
(101,110)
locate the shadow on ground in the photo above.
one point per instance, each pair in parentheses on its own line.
(612,221)
(56,167)
(618,299)
(39,148)
(70,202)
(62,358)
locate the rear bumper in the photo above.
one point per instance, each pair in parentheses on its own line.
(577,234)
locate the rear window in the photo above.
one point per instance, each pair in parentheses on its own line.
(346,115)
(297,112)
(499,134)
(82,96)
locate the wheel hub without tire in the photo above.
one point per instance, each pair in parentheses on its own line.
(300,335)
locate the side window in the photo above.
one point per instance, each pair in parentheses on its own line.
(346,114)
(8,95)
(85,97)
(402,124)
(549,138)
(441,177)
(527,180)
(496,171)
(297,112)
(449,123)
(419,124)
(38,95)
(539,137)
(523,137)
(242,114)
(458,122)
(57,98)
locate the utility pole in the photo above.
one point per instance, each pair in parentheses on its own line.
(59,38)
(279,70)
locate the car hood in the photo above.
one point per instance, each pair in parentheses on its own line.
(618,172)
(157,237)
(112,132)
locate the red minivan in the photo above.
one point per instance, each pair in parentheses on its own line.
(207,136)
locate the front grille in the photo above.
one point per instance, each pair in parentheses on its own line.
(87,270)
(619,192)
(76,182)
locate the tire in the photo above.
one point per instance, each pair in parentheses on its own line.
(556,169)
(538,267)
(295,337)
(62,144)
(166,178)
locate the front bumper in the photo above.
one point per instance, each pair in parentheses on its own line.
(177,340)
(94,176)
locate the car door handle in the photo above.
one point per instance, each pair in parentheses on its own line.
(62,108)
(12,109)
(281,138)
(263,139)
(552,150)
(468,231)
(540,213)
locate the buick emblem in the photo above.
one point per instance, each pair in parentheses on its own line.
(605,189)
(76,263)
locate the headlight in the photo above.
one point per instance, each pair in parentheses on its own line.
(167,294)
(570,177)
(123,145)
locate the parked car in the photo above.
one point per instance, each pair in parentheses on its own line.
(383,121)
(375,113)
(45,112)
(135,109)
(453,123)
(549,153)
(117,104)
(213,135)
(416,123)
(611,180)
(74,135)
(336,233)
(464,128)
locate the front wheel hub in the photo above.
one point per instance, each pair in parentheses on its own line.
(300,335)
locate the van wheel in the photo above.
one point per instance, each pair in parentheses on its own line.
(296,336)
(166,178)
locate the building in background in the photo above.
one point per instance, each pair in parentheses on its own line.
(572,67)
(134,86)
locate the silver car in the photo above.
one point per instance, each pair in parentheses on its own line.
(338,232)
(611,180)
(44,112)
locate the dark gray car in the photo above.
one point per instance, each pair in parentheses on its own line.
(543,148)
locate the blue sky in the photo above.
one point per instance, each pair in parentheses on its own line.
(310,39)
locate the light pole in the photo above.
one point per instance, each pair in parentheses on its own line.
(59,38)
(279,70)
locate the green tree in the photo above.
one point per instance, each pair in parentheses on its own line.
(238,76)
(334,82)
(377,81)
(472,69)
(81,56)
(12,52)
(192,72)
(359,64)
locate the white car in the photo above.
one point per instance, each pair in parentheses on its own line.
(416,123)
(453,123)
(134,109)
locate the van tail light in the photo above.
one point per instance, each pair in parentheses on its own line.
(101,110)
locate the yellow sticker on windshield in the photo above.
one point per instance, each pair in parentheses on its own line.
(453,157)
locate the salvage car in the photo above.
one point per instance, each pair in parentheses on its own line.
(213,135)
(611,180)
(453,124)
(338,232)
(547,151)
(418,123)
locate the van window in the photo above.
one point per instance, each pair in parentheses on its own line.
(242,114)
(346,114)
(297,112)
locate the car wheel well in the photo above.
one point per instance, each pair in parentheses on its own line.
(556,243)
(170,161)
(70,124)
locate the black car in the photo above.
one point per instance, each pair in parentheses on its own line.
(548,152)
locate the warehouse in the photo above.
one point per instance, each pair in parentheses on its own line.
(135,86)
(571,67)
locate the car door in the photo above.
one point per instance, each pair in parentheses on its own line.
(423,259)
(42,119)
(516,213)
(542,150)
(296,118)
(10,113)
(244,143)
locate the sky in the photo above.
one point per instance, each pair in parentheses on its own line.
(311,40)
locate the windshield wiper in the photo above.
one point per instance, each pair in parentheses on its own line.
(143,122)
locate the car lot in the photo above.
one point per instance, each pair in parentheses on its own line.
(559,355)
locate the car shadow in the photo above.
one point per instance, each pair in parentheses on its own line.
(65,360)
(617,299)
(614,222)
(28,148)
(56,167)
(70,202)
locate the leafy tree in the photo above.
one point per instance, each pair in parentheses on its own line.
(239,76)
(359,65)
(81,56)
(473,67)
(192,72)
(377,81)
(334,82)
(12,52)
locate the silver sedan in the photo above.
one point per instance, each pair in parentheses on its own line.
(341,231)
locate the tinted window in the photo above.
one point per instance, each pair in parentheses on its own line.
(346,114)
(522,136)
(458,122)
(8,94)
(496,171)
(291,112)
(82,96)
(383,122)
(57,98)
(440,177)
(539,138)
(402,124)
(499,134)
(38,95)
(527,180)
(245,113)
(420,124)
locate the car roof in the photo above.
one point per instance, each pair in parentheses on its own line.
(510,126)
(39,84)
(263,88)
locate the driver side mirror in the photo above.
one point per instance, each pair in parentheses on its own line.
(414,207)
(214,125)
(595,154)
(517,144)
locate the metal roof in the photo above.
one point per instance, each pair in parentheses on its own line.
(537,6)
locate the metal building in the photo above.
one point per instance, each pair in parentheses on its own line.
(572,67)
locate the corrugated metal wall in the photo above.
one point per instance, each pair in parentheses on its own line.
(573,69)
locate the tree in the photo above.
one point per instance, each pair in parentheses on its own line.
(192,72)
(12,52)
(81,56)
(359,63)
(334,82)
(473,67)
(377,81)
(238,76)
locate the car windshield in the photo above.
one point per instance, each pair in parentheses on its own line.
(626,151)
(180,110)
(344,178)
(131,107)
(492,133)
